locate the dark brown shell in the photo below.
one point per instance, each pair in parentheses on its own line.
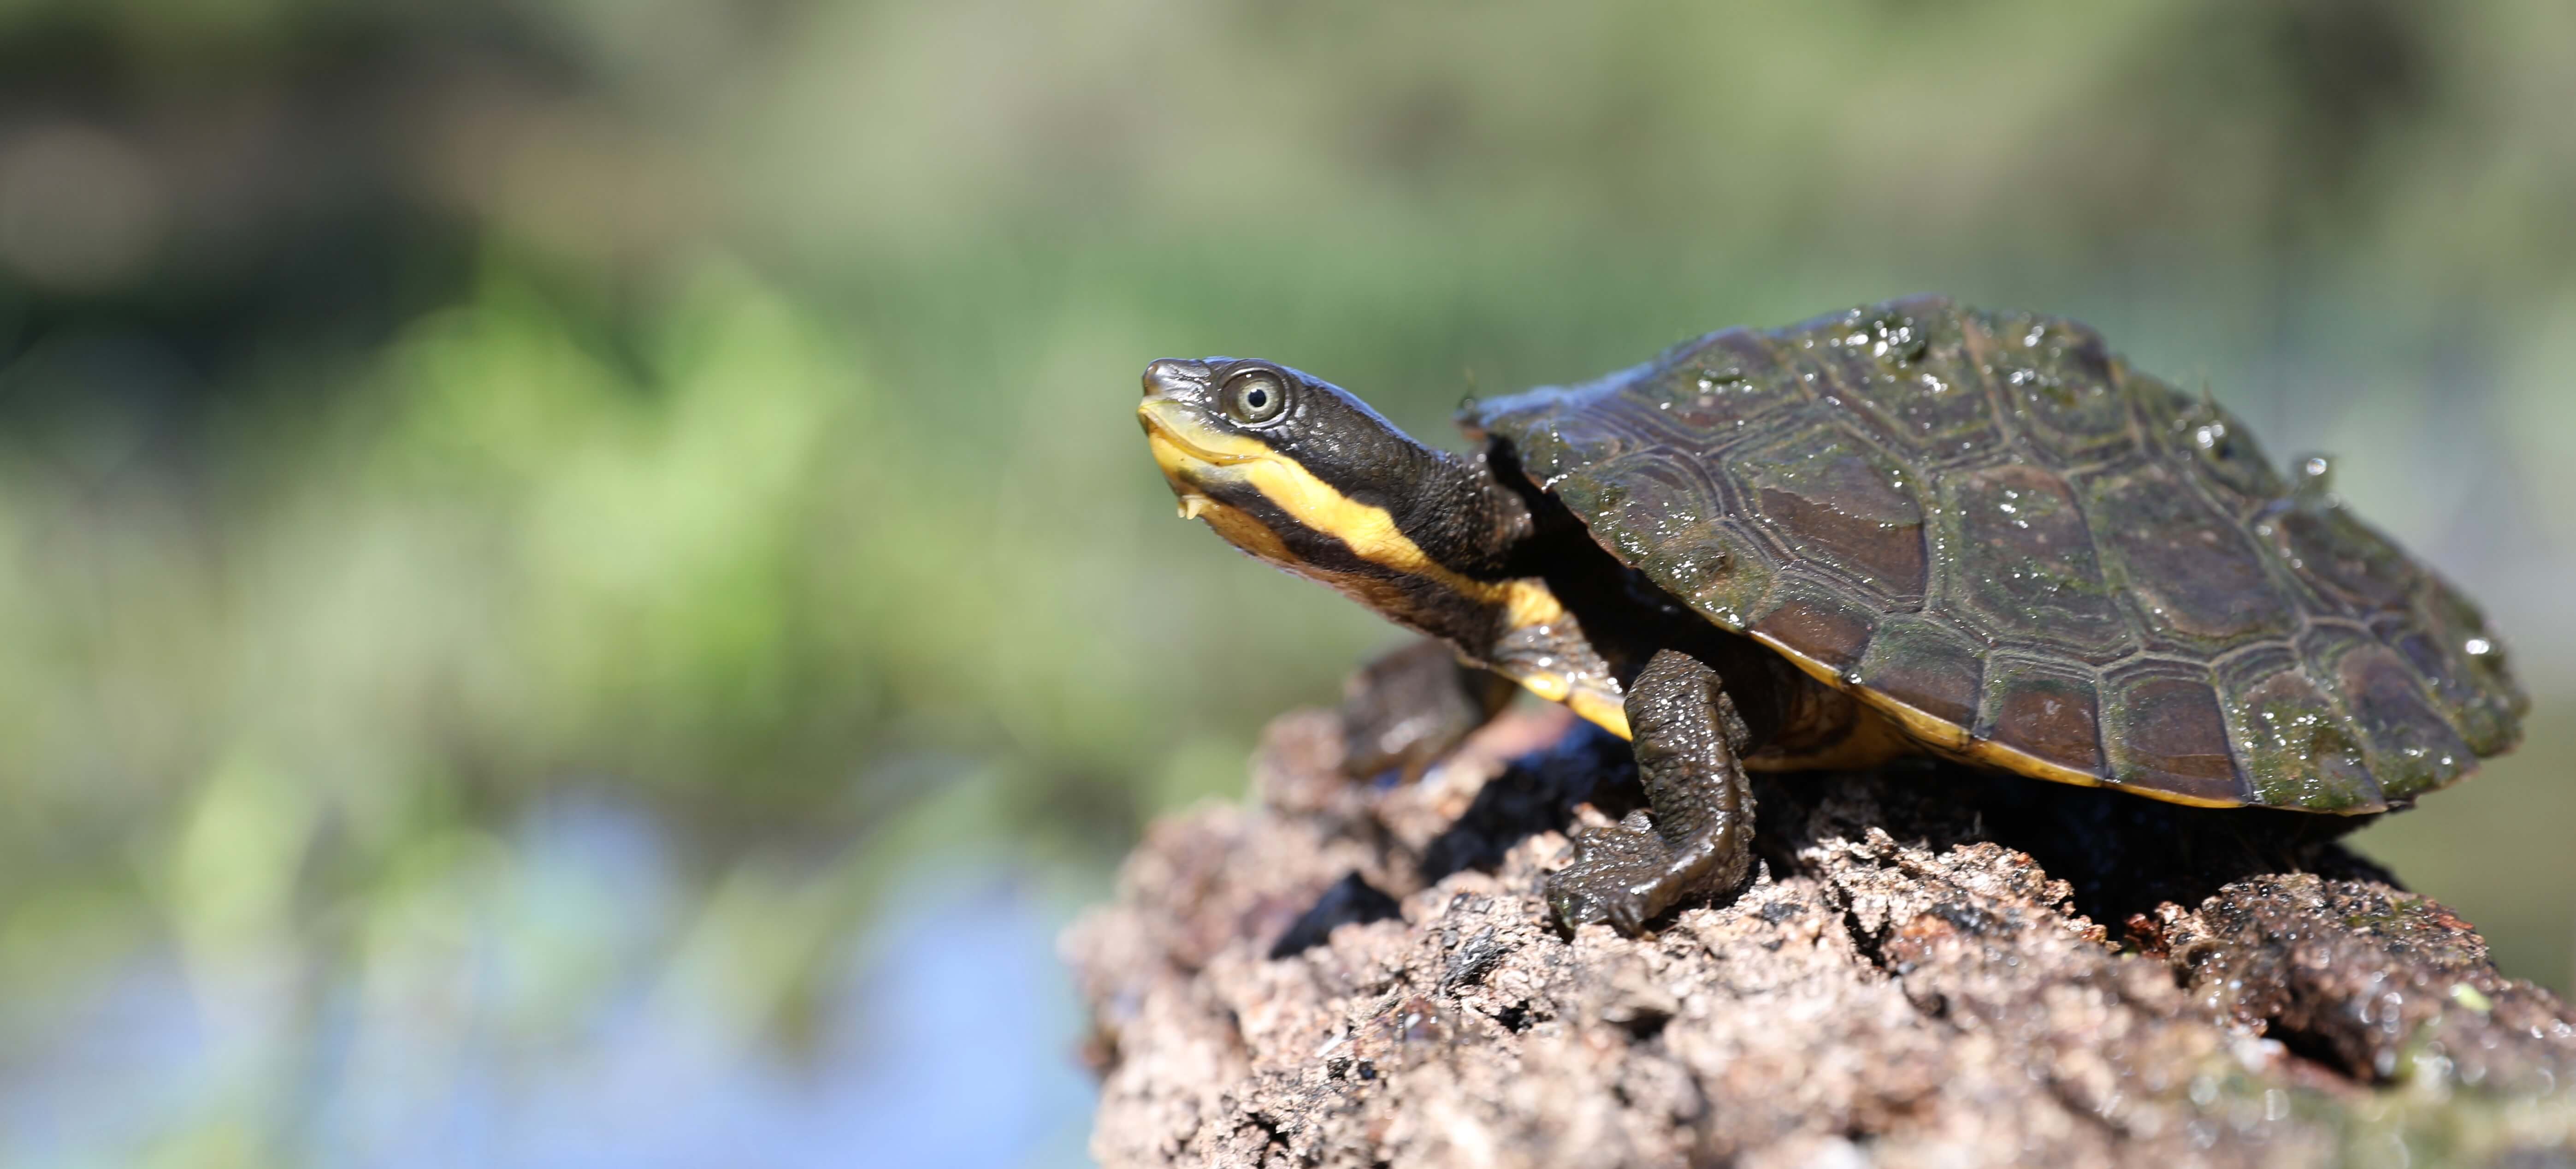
(2032,555)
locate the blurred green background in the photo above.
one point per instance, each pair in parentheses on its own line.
(582,587)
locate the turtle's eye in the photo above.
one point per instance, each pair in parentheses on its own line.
(1255,396)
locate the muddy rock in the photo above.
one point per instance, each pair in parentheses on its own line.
(1932,967)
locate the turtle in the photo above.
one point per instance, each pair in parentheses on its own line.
(1912,527)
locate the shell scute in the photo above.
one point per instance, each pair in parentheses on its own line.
(1722,384)
(2294,740)
(2446,639)
(2022,564)
(2163,727)
(1899,371)
(2411,748)
(2047,708)
(1655,497)
(2194,576)
(1720,570)
(2353,569)
(1835,502)
(2059,390)
(1926,665)
(2219,449)
(1818,622)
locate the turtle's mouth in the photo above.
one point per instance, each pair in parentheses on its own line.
(1187,452)
(1170,423)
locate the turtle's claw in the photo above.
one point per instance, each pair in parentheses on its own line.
(1622,874)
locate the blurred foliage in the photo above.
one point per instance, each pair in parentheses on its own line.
(417,417)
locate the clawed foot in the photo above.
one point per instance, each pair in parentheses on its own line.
(1700,839)
(1623,874)
(1406,710)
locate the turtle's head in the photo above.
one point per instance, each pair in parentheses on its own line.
(1295,471)
(1249,433)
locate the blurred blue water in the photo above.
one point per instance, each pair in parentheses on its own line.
(945,1037)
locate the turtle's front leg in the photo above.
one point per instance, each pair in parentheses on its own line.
(1700,840)
(1405,710)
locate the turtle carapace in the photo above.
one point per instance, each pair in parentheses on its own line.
(1907,527)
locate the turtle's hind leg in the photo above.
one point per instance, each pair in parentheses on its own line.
(1700,839)
(1406,709)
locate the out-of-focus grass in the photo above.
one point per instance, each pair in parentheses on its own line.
(441,439)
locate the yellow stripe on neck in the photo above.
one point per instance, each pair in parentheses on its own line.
(1190,452)
(1193,455)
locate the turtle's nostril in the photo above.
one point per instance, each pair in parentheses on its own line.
(1167,376)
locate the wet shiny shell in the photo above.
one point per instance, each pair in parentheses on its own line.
(2031,555)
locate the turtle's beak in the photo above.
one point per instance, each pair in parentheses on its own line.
(1170,389)
(1167,416)
(1170,378)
